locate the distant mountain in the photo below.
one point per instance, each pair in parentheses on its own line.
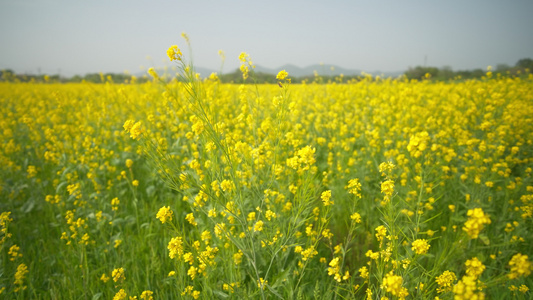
(294,71)
(323,70)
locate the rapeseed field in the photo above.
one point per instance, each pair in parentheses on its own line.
(191,188)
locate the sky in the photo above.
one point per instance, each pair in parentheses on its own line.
(78,37)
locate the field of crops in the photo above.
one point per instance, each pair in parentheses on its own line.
(371,189)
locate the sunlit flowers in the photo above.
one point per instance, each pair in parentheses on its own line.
(520,266)
(393,284)
(418,143)
(164,214)
(326,198)
(258,226)
(387,188)
(134,129)
(118,275)
(474,267)
(476,222)
(147,295)
(175,247)
(20,275)
(282,75)
(120,295)
(174,53)
(420,246)
(445,281)
(354,187)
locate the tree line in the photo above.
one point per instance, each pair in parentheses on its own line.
(522,67)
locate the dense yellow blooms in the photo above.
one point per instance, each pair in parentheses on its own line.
(393,284)
(266,183)
(520,266)
(282,75)
(174,53)
(474,267)
(164,214)
(175,247)
(445,281)
(20,275)
(118,275)
(475,223)
(468,289)
(420,246)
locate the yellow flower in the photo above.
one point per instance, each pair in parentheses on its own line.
(474,267)
(174,53)
(420,246)
(326,196)
(104,278)
(387,187)
(354,187)
(129,163)
(22,269)
(120,295)
(243,56)
(192,272)
(175,247)
(261,283)
(475,222)
(467,288)
(393,284)
(520,266)
(128,125)
(153,73)
(190,219)
(356,217)
(118,275)
(445,281)
(282,75)
(258,226)
(32,171)
(14,252)
(381,232)
(147,295)
(136,130)
(164,214)
(363,272)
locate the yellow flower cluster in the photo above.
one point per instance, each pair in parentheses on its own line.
(354,187)
(393,284)
(468,289)
(520,266)
(174,53)
(420,246)
(445,281)
(326,198)
(164,214)
(134,129)
(282,75)
(20,275)
(476,222)
(418,143)
(175,247)
(118,275)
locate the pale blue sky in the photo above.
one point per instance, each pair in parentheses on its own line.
(78,37)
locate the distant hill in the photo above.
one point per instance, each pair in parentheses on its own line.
(294,71)
(321,69)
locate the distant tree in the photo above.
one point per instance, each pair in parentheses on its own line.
(502,67)
(446,73)
(525,63)
(420,72)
